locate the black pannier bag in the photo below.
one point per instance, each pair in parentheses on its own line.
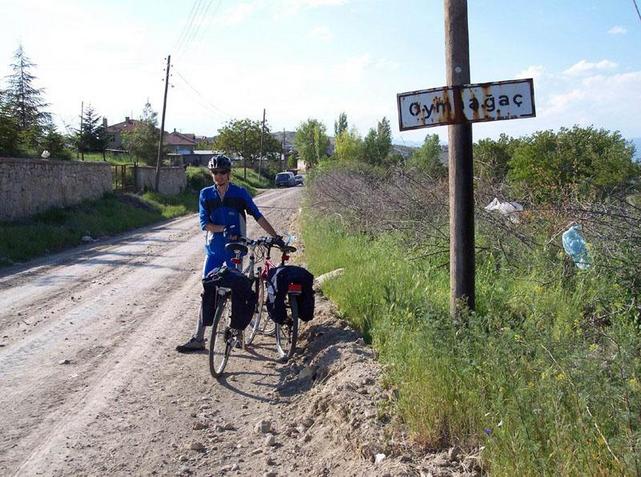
(243,297)
(278,280)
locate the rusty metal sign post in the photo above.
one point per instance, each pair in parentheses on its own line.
(495,101)
(458,105)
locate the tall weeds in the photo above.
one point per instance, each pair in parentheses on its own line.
(546,377)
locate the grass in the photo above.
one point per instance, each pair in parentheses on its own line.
(115,159)
(61,228)
(529,380)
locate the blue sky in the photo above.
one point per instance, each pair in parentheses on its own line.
(304,59)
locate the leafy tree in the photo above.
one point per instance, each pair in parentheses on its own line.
(22,100)
(241,138)
(205,144)
(428,157)
(142,141)
(311,142)
(349,146)
(492,158)
(583,163)
(378,143)
(340,125)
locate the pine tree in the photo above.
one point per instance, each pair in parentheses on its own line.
(23,102)
(92,136)
(8,133)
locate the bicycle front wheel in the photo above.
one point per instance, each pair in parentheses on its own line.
(220,345)
(287,333)
(254,324)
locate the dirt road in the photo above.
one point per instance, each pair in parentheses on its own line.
(91,384)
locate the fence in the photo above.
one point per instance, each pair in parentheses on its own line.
(123,178)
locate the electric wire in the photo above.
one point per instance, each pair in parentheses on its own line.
(202,96)
(197,14)
(195,33)
(188,25)
(637,8)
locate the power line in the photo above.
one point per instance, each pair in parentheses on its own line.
(188,33)
(187,27)
(637,8)
(200,95)
(196,31)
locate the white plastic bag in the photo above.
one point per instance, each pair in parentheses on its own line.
(507,209)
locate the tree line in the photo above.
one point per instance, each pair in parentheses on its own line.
(27,128)
(543,167)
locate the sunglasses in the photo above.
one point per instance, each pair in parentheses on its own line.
(220,171)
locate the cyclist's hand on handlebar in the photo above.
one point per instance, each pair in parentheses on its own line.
(278,241)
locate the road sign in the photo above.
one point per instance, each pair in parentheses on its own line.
(495,101)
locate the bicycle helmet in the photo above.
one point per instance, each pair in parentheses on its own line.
(219,162)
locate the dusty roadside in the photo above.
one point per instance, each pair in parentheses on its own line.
(91,384)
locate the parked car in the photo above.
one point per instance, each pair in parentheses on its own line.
(299,179)
(285,179)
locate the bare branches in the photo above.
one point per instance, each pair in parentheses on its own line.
(417,206)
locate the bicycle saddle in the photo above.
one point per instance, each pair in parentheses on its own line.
(236,247)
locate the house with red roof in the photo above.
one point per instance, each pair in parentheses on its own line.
(174,142)
(180,143)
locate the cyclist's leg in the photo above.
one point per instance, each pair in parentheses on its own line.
(197,340)
(208,265)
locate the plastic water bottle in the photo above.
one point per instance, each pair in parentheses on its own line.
(574,246)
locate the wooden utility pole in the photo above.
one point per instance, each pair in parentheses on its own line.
(245,152)
(82,113)
(282,150)
(461,186)
(162,123)
(262,133)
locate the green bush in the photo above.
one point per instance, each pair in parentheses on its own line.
(584,163)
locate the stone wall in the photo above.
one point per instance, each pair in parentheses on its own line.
(172,180)
(29,186)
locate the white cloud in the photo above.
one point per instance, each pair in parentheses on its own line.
(237,14)
(315,3)
(288,8)
(322,33)
(385,64)
(352,70)
(617,30)
(605,100)
(584,67)
(533,71)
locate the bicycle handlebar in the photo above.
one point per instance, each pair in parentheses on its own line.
(266,242)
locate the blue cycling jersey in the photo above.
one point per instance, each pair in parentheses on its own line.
(231,210)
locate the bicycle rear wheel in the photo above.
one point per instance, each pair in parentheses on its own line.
(259,315)
(220,345)
(287,333)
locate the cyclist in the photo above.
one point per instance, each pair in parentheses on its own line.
(222,209)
